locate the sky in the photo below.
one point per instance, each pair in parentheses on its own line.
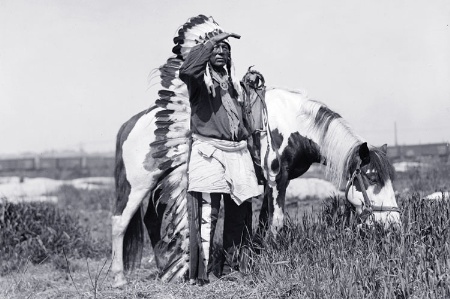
(72,71)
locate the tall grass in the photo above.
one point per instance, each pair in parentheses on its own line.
(37,232)
(45,232)
(331,256)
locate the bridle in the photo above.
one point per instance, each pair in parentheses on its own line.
(368,208)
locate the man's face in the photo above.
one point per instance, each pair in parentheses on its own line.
(220,55)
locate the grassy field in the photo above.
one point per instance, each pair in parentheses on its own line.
(319,254)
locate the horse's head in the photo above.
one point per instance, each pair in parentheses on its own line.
(369,186)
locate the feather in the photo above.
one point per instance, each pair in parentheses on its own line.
(176,270)
(169,142)
(160,153)
(174,62)
(176,126)
(165,93)
(175,106)
(171,163)
(177,116)
(169,72)
(162,124)
(172,115)
(177,86)
(176,100)
(180,89)
(170,134)
(172,250)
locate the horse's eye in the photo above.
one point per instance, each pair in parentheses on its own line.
(373,178)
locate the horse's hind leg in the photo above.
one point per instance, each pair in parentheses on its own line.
(134,180)
(119,226)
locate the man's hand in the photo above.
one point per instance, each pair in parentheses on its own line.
(222,36)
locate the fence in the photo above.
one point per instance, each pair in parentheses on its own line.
(56,163)
(420,152)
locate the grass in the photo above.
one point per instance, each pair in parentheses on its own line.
(322,254)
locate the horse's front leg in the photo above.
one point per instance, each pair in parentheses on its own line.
(272,209)
(278,197)
(119,226)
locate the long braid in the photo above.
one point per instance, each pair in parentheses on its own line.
(232,79)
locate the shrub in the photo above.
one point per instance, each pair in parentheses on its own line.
(40,231)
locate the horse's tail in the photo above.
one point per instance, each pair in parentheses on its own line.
(134,234)
(133,242)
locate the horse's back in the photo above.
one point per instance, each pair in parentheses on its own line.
(133,148)
(285,97)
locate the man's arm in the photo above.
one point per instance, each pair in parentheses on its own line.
(194,66)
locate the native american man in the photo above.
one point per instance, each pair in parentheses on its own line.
(220,165)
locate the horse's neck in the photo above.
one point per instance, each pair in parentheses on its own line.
(318,123)
(283,107)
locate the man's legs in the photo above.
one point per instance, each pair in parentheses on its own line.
(194,233)
(215,254)
(237,231)
(203,214)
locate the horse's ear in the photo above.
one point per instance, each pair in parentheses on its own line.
(364,153)
(383,148)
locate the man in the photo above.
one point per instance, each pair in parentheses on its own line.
(219,164)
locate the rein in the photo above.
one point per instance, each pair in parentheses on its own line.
(368,208)
(254,81)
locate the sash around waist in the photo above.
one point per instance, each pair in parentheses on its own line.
(224,145)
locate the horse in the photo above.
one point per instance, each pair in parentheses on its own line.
(151,173)
(303,132)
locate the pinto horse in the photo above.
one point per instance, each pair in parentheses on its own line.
(151,173)
(303,132)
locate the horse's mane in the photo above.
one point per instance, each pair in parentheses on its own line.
(332,133)
(339,143)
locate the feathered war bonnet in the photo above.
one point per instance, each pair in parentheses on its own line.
(198,30)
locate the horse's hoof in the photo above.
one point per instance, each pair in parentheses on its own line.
(119,281)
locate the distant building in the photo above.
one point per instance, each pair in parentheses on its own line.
(58,167)
(420,152)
